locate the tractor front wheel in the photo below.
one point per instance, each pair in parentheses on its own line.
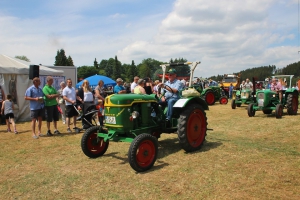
(92,145)
(233,104)
(278,111)
(192,126)
(210,98)
(142,152)
(292,104)
(251,111)
(223,100)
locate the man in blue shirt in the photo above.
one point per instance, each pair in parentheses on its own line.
(36,103)
(119,89)
(172,88)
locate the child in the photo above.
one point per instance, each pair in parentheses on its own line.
(8,110)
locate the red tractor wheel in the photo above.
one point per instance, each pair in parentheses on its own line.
(223,100)
(210,98)
(192,126)
(251,111)
(292,104)
(142,152)
(278,111)
(92,145)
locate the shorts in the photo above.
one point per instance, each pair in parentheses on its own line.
(34,114)
(71,111)
(9,115)
(52,113)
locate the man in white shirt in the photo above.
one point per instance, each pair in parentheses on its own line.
(134,83)
(69,95)
(248,84)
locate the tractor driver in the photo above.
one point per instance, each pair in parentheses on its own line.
(172,88)
(276,86)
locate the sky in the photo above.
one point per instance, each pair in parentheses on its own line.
(225,36)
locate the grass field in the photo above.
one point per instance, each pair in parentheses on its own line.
(242,158)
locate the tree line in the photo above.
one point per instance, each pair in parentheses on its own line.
(263,72)
(149,67)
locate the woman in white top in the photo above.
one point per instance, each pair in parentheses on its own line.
(86,97)
(8,110)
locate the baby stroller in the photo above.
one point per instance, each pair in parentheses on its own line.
(88,115)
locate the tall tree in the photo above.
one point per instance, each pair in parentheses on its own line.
(102,67)
(61,58)
(131,71)
(70,61)
(117,71)
(109,67)
(23,58)
(96,64)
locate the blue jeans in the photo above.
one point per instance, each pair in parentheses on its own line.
(170,102)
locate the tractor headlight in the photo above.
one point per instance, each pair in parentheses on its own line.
(135,114)
(274,95)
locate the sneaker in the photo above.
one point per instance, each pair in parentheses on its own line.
(35,137)
(41,135)
(57,132)
(8,130)
(16,132)
(49,133)
(64,122)
(69,130)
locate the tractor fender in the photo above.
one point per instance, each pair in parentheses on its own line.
(183,102)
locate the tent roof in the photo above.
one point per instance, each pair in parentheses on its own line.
(10,65)
(93,81)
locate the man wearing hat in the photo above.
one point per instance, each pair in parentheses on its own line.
(119,88)
(172,88)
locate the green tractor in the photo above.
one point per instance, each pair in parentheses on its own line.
(268,100)
(211,94)
(240,97)
(141,119)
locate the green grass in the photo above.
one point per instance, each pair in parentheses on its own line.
(242,158)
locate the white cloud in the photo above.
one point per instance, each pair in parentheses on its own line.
(227,36)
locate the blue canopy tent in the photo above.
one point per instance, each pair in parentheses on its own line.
(93,80)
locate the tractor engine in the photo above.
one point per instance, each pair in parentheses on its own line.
(127,112)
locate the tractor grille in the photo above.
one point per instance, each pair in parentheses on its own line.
(260,97)
(244,95)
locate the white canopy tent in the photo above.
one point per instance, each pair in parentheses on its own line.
(14,80)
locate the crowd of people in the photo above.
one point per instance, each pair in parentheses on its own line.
(65,101)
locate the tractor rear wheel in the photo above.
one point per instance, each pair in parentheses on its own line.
(251,111)
(192,126)
(223,100)
(292,104)
(210,98)
(92,145)
(278,111)
(233,104)
(142,152)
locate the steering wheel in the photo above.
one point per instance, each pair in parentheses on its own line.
(163,94)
